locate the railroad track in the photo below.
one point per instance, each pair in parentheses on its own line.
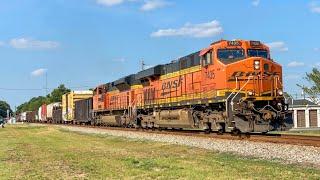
(269,138)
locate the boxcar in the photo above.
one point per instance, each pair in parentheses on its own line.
(31,116)
(50,108)
(43,113)
(83,111)
(68,103)
(57,114)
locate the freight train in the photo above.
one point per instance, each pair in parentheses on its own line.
(230,86)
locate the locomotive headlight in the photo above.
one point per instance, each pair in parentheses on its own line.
(250,93)
(256,65)
(280,92)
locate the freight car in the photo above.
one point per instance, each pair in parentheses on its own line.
(68,104)
(42,113)
(39,114)
(232,86)
(31,116)
(57,115)
(23,117)
(83,111)
(50,107)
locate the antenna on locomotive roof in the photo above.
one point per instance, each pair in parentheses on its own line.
(142,64)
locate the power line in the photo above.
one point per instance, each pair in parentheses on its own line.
(40,89)
(20,89)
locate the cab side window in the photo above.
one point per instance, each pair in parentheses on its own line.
(207,59)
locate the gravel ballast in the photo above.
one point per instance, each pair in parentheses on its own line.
(293,154)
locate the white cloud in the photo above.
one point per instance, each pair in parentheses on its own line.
(28,43)
(122,60)
(2,43)
(278,46)
(201,30)
(109,2)
(38,72)
(295,64)
(150,5)
(316,49)
(255,2)
(314,7)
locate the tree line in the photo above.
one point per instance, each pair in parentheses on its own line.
(4,107)
(34,103)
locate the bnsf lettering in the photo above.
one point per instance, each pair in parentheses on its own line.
(240,74)
(172,84)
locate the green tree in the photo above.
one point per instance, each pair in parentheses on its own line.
(4,106)
(287,95)
(314,90)
(34,103)
(56,94)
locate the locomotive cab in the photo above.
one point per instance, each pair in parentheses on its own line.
(250,80)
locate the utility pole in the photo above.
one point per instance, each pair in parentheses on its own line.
(303,93)
(142,64)
(46,84)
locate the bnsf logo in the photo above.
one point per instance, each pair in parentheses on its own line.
(167,86)
(172,84)
(240,75)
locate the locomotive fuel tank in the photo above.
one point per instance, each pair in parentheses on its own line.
(111,120)
(180,118)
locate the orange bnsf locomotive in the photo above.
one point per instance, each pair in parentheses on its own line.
(231,86)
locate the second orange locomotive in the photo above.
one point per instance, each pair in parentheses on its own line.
(229,86)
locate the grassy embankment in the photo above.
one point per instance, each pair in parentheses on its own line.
(31,152)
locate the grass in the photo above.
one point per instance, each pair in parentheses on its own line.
(300,132)
(40,152)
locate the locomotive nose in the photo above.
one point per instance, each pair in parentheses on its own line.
(261,64)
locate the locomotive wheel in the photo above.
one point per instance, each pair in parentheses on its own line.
(236,132)
(207,131)
(222,129)
(220,132)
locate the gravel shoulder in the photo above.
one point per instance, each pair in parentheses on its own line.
(285,153)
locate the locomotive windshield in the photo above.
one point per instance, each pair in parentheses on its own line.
(258,53)
(230,55)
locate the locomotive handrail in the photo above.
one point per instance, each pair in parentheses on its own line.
(227,108)
(278,79)
(240,90)
(233,89)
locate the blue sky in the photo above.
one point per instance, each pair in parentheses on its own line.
(82,43)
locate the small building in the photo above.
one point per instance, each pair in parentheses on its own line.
(305,114)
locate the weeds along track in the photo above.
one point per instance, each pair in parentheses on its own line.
(301,140)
